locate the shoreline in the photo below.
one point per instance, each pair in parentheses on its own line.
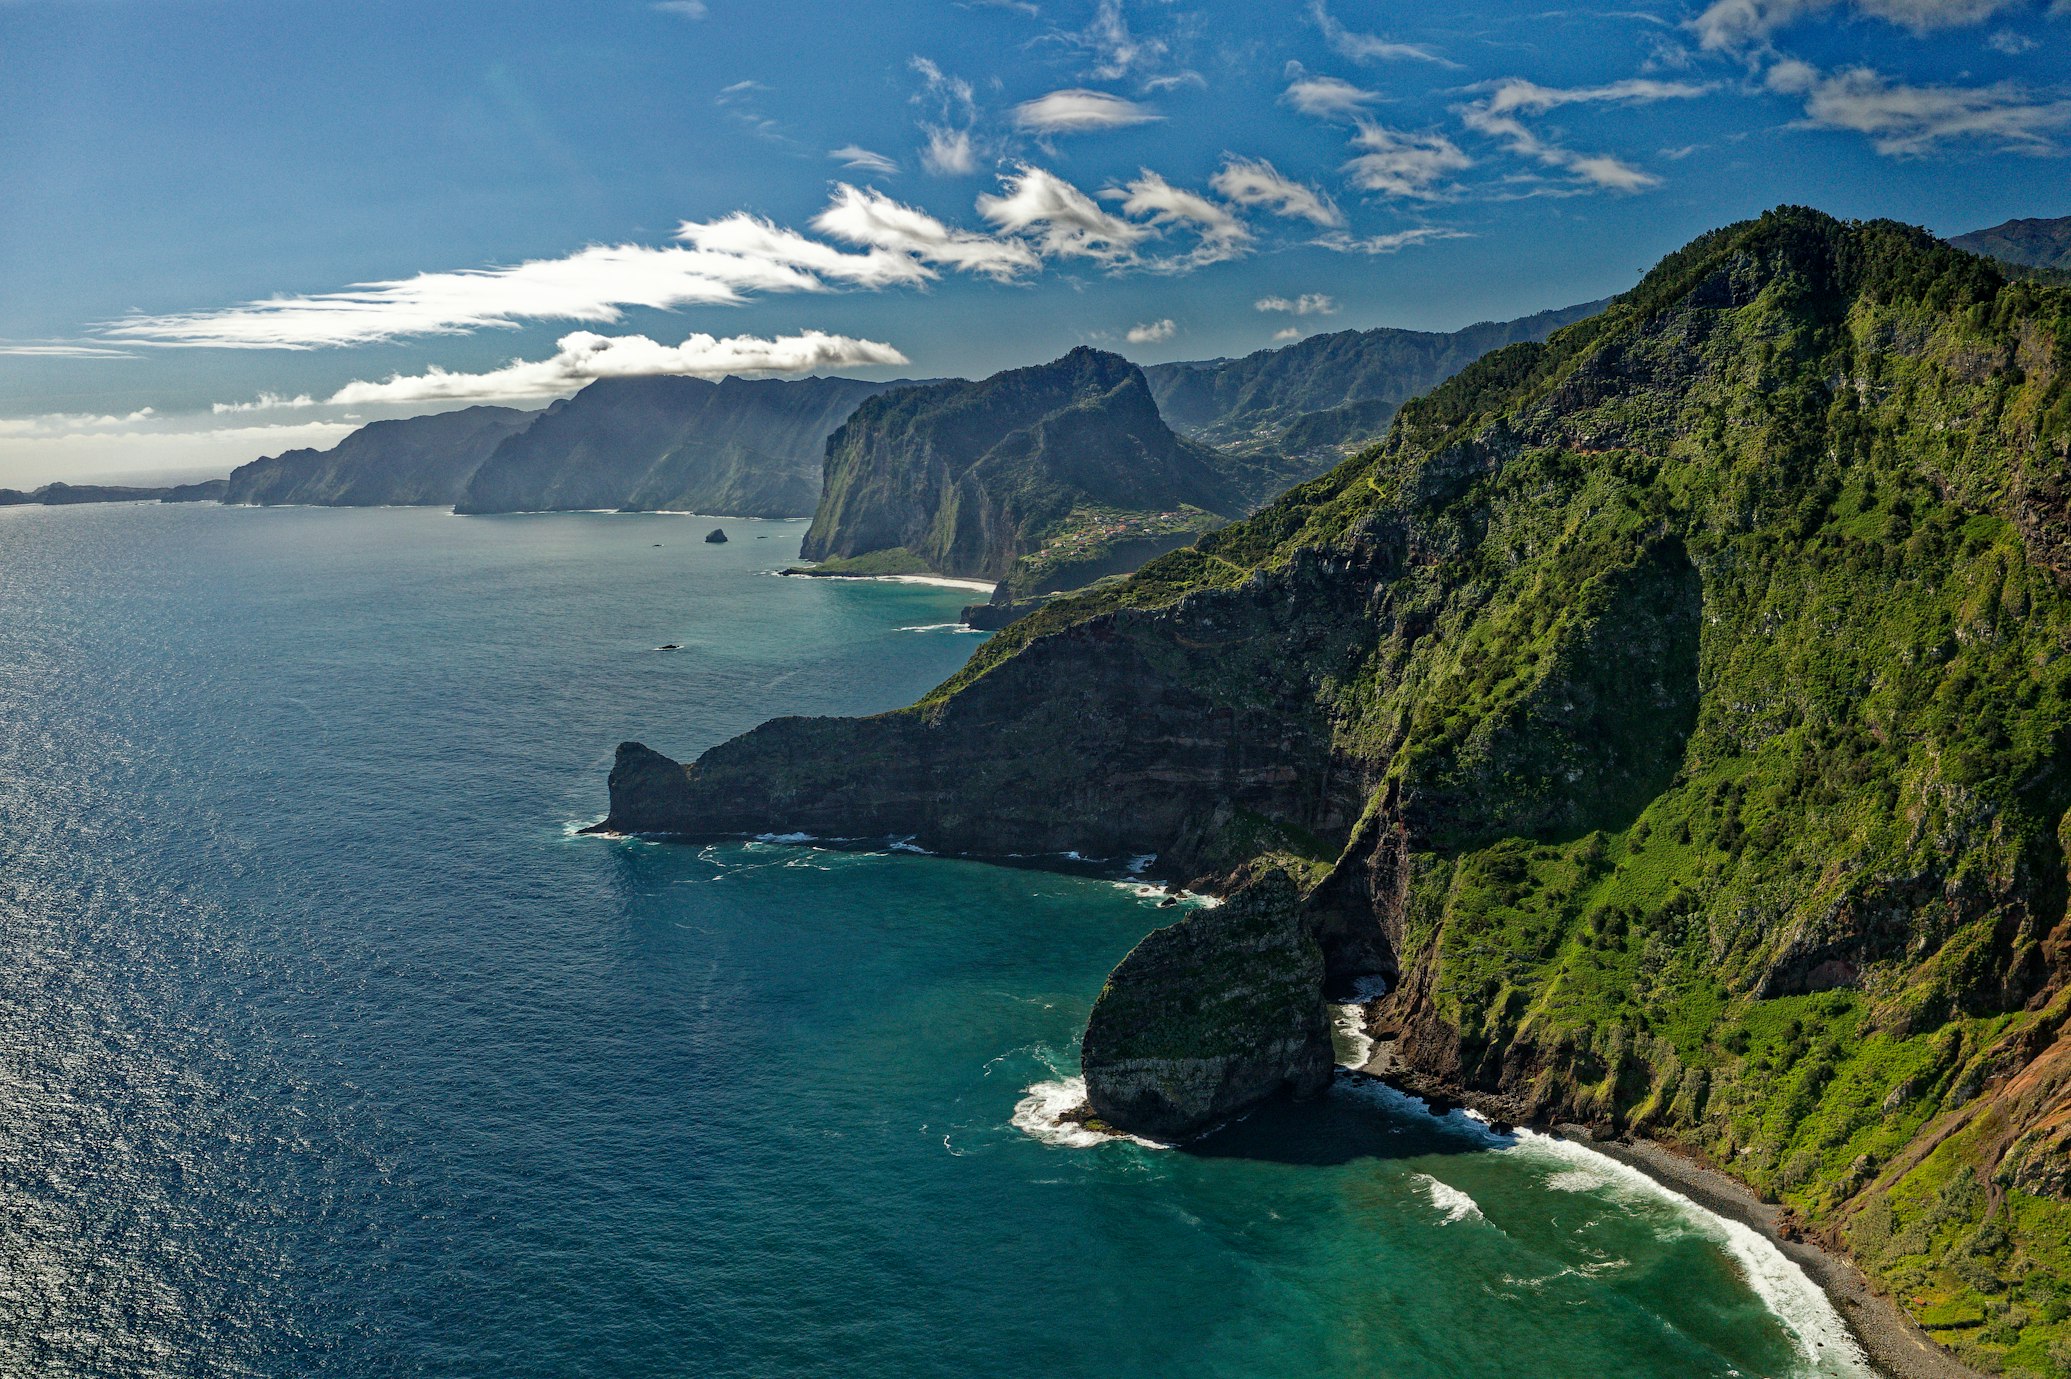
(1892,1342)
(978,586)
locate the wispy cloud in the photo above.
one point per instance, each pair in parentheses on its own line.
(62,423)
(1256,182)
(951,147)
(949,152)
(1328,98)
(264,402)
(1308,304)
(1738,25)
(1393,243)
(1153,200)
(1501,115)
(1905,121)
(870,218)
(1404,163)
(65,351)
(688,9)
(861,159)
(1363,47)
(1151,332)
(1080,111)
(1291,333)
(584,357)
(1061,220)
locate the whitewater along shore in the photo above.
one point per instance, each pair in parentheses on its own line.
(1893,1343)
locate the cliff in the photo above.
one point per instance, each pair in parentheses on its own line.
(1677,712)
(416,461)
(738,447)
(1045,478)
(1323,392)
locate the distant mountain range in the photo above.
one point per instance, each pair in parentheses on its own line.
(738,447)
(406,463)
(1045,477)
(2028,243)
(1329,390)
(67,495)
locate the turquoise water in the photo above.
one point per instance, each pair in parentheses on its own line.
(325,1049)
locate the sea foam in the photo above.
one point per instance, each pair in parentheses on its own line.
(1046,1114)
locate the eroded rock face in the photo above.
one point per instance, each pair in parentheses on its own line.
(1211,1016)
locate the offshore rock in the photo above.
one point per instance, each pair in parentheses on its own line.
(1211,1016)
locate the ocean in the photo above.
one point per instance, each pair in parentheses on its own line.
(328,1047)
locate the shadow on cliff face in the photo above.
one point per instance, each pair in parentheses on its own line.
(1358,1118)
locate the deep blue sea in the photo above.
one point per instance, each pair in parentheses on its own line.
(327,1049)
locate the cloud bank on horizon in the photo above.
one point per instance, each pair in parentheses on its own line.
(1108,149)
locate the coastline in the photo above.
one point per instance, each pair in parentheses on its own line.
(981,586)
(1891,1341)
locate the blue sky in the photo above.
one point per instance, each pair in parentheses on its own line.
(232,228)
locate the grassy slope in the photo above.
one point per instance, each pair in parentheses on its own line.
(1837,427)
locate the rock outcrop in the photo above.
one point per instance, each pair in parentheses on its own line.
(1211,1016)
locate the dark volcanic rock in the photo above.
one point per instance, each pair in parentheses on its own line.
(1209,1017)
(715,537)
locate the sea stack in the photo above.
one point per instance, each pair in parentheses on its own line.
(716,537)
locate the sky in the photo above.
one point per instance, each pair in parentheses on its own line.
(230,229)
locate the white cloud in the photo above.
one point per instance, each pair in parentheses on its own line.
(265,402)
(948,152)
(593,285)
(1308,304)
(1151,332)
(1291,333)
(1361,47)
(1392,243)
(1064,221)
(1117,51)
(584,357)
(54,351)
(1255,182)
(1911,121)
(1397,162)
(689,9)
(1498,117)
(1079,111)
(2010,43)
(862,159)
(1737,25)
(951,149)
(1151,198)
(1328,98)
(874,219)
